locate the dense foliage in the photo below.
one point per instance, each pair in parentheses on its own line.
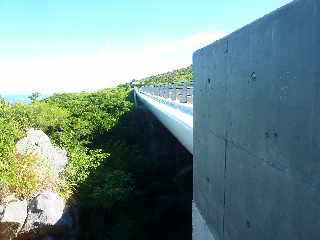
(110,168)
(72,121)
(91,115)
(75,122)
(173,77)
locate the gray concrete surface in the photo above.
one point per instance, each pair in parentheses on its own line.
(200,229)
(257,128)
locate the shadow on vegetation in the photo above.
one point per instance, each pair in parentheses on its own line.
(158,202)
(7,230)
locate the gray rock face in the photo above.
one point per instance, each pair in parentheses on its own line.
(38,143)
(44,210)
(14,211)
(13,215)
(46,213)
(2,208)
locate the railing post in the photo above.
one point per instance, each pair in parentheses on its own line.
(174,92)
(190,93)
(184,93)
(166,91)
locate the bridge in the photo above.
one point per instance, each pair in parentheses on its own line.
(256,135)
(172,105)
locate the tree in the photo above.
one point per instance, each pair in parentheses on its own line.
(2,100)
(34,96)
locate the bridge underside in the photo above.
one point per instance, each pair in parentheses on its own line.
(176,117)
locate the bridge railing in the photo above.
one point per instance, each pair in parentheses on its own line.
(182,92)
(172,105)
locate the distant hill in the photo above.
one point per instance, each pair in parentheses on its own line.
(176,76)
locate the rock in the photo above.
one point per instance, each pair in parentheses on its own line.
(2,208)
(15,211)
(45,209)
(47,215)
(14,214)
(38,143)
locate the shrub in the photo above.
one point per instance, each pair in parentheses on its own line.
(115,186)
(47,117)
(90,115)
(173,77)
(28,175)
(19,174)
(73,122)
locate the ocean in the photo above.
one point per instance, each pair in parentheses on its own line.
(17,98)
(20,98)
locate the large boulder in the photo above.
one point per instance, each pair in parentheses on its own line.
(45,209)
(47,214)
(13,213)
(38,143)
(2,208)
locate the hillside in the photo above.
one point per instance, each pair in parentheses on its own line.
(176,76)
(108,166)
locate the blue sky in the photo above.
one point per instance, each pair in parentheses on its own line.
(74,45)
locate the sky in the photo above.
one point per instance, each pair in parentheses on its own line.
(83,45)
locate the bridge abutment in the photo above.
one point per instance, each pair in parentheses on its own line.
(257,128)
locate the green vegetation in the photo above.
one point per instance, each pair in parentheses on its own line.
(72,121)
(75,122)
(173,77)
(91,115)
(108,171)
(19,174)
(34,96)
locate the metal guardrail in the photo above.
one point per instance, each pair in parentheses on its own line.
(182,93)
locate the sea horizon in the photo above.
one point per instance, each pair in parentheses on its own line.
(22,98)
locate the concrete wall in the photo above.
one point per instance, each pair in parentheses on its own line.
(257,128)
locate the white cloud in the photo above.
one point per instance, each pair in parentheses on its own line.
(104,68)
